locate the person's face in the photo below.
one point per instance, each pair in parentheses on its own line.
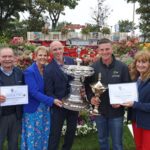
(7,58)
(57,51)
(142,66)
(105,50)
(41,57)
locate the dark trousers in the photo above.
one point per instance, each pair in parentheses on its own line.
(58,116)
(10,129)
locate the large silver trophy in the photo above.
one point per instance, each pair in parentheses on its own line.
(98,88)
(74,101)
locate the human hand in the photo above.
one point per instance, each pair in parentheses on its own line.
(82,92)
(2,98)
(116,105)
(128,104)
(95,101)
(58,102)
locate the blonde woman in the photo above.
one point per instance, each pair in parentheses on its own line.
(140,112)
(36,117)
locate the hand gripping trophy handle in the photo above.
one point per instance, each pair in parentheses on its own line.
(97,88)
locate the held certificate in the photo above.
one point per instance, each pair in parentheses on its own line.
(15,95)
(121,93)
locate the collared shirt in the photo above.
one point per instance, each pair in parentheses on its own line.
(64,61)
(61,65)
(8,73)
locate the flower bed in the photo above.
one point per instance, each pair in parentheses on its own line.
(86,125)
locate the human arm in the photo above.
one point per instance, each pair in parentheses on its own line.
(36,88)
(58,102)
(138,105)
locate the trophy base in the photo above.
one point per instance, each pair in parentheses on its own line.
(74,106)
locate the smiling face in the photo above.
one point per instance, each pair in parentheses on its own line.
(7,58)
(41,55)
(57,50)
(105,50)
(142,66)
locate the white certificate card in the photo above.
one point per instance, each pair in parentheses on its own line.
(15,95)
(121,93)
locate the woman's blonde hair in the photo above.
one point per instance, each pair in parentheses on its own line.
(41,48)
(143,56)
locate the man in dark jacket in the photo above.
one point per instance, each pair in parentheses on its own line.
(110,120)
(57,86)
(10,116)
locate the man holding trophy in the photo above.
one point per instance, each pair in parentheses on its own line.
(57,85)
(109,120)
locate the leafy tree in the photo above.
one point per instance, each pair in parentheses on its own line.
(94,28)
(105,30)
(38,8)
(144,12)
(61,25)
(57,7)
(85,31)
(101,13)
(9,10)
(90,28)
(36,19)
(125,25)
(16,28)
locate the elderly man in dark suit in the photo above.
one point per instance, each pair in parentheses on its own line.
(10,116)
(57,85)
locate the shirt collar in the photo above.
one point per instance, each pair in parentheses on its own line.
(8,73)
(64,60)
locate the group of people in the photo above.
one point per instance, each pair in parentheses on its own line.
(41,120)
(110,121)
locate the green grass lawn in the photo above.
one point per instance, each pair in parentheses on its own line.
(90,142)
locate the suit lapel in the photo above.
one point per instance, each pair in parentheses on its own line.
(59,72)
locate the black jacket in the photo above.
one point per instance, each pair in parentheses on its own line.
(116,72)
(18,81)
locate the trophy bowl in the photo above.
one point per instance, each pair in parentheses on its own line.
(74,101)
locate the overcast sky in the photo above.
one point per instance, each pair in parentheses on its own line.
(121,10)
